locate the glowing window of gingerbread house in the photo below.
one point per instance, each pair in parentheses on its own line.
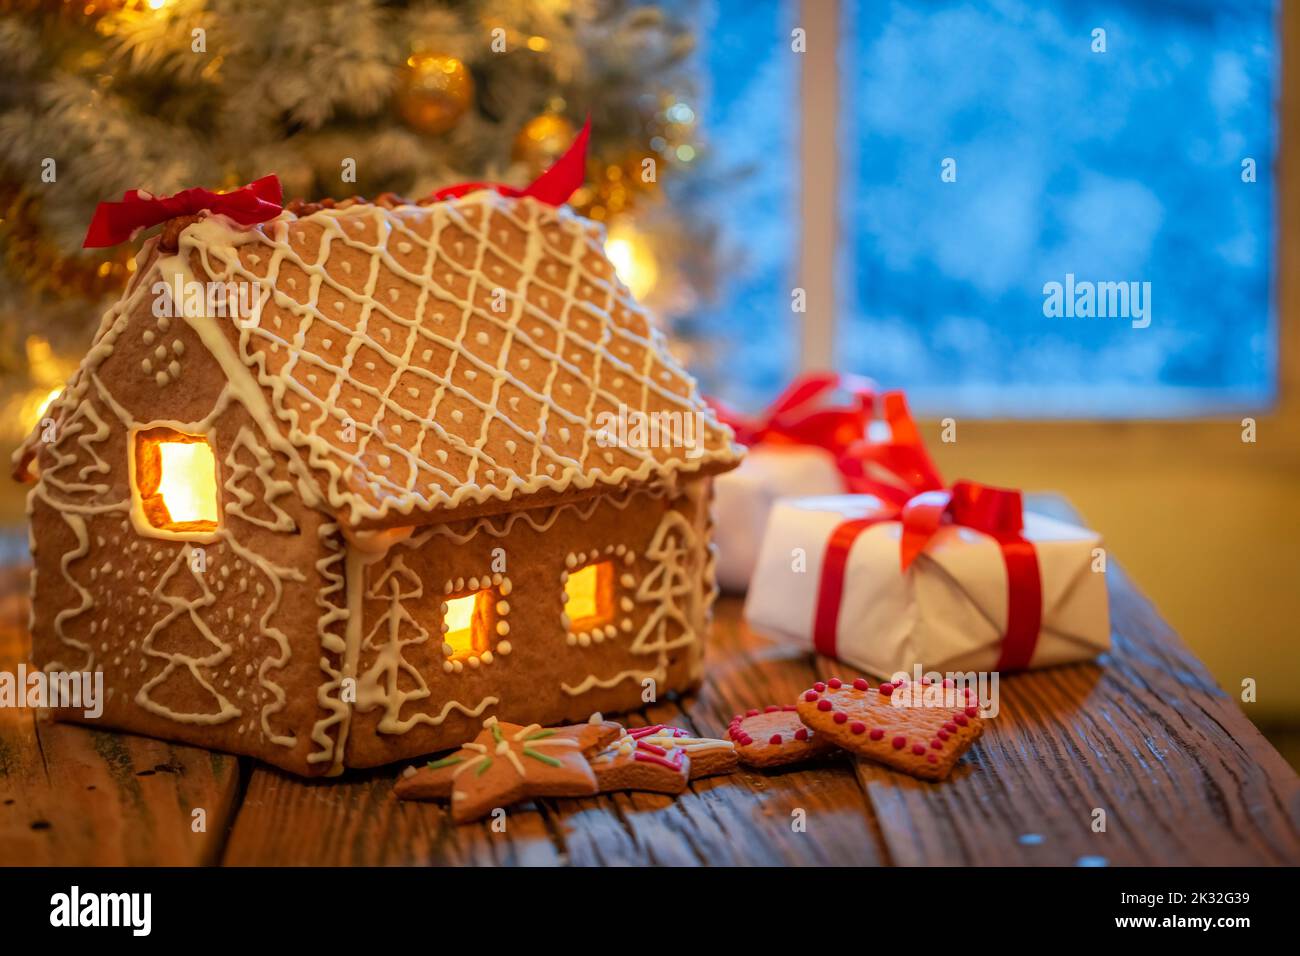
(468,624)
(176,479)
(589,596)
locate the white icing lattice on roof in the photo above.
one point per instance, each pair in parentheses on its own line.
(430,357)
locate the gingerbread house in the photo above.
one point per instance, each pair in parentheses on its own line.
(396,492)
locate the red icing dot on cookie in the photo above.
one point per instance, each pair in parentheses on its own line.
(774,739)
(942,735)
(751,713)
(834,683)
(771,709)
(860,684)
(918,749)
(899,742)
(823,705)
(819,687)
(936,744)
(810,695)
(801,733)
(886,689)
(950,727)
(789,707)
(971,711)
(840,717)
(877,733)
(961,719)
(857,727)
(931,758)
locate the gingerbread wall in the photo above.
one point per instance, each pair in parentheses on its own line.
(412,698)
(219,650)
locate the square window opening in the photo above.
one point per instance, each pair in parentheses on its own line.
(589,596)
(469,624)
(176,479)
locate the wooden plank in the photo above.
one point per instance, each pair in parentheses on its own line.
(1144,734)
(73,796)
(744,819)
(356,821)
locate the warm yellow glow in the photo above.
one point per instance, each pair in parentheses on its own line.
(633,260)
(581,589)
(157,4)
(47,401)
(188,481)
(466,621)
(34,405)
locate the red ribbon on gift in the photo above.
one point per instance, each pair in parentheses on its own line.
(553,187)
(893,470)
(997,512)
(116,222)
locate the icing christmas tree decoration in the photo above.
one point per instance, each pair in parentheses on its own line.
(342,527)
(896,729)
(508,763)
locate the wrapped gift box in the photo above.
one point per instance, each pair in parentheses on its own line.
(743,498)
(825,434)
(948,612)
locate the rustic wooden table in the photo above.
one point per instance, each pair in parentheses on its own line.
(1144,734)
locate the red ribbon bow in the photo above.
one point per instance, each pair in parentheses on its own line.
(893,470)
(553,187)
(116,222)
(997,512)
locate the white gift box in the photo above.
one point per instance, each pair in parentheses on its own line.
(947,612)
(742,499)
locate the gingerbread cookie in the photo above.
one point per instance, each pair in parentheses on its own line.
(630,763)
(709,756)
(774,737)
(507,763)
(921,740)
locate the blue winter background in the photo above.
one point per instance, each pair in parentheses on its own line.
(1115,166)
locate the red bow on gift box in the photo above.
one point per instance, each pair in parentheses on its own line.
(116,222)
(997,512)
(553,187)
(893,470)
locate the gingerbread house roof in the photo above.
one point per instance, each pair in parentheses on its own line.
(452,356)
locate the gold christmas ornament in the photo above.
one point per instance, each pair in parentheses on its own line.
(542,141)
(433,92)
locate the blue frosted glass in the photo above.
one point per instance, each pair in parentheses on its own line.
(1117,166)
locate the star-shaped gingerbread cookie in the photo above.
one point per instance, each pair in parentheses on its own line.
(507,763)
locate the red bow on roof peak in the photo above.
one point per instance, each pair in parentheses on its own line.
(553,187)
(116,222)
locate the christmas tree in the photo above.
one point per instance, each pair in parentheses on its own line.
(337,97)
